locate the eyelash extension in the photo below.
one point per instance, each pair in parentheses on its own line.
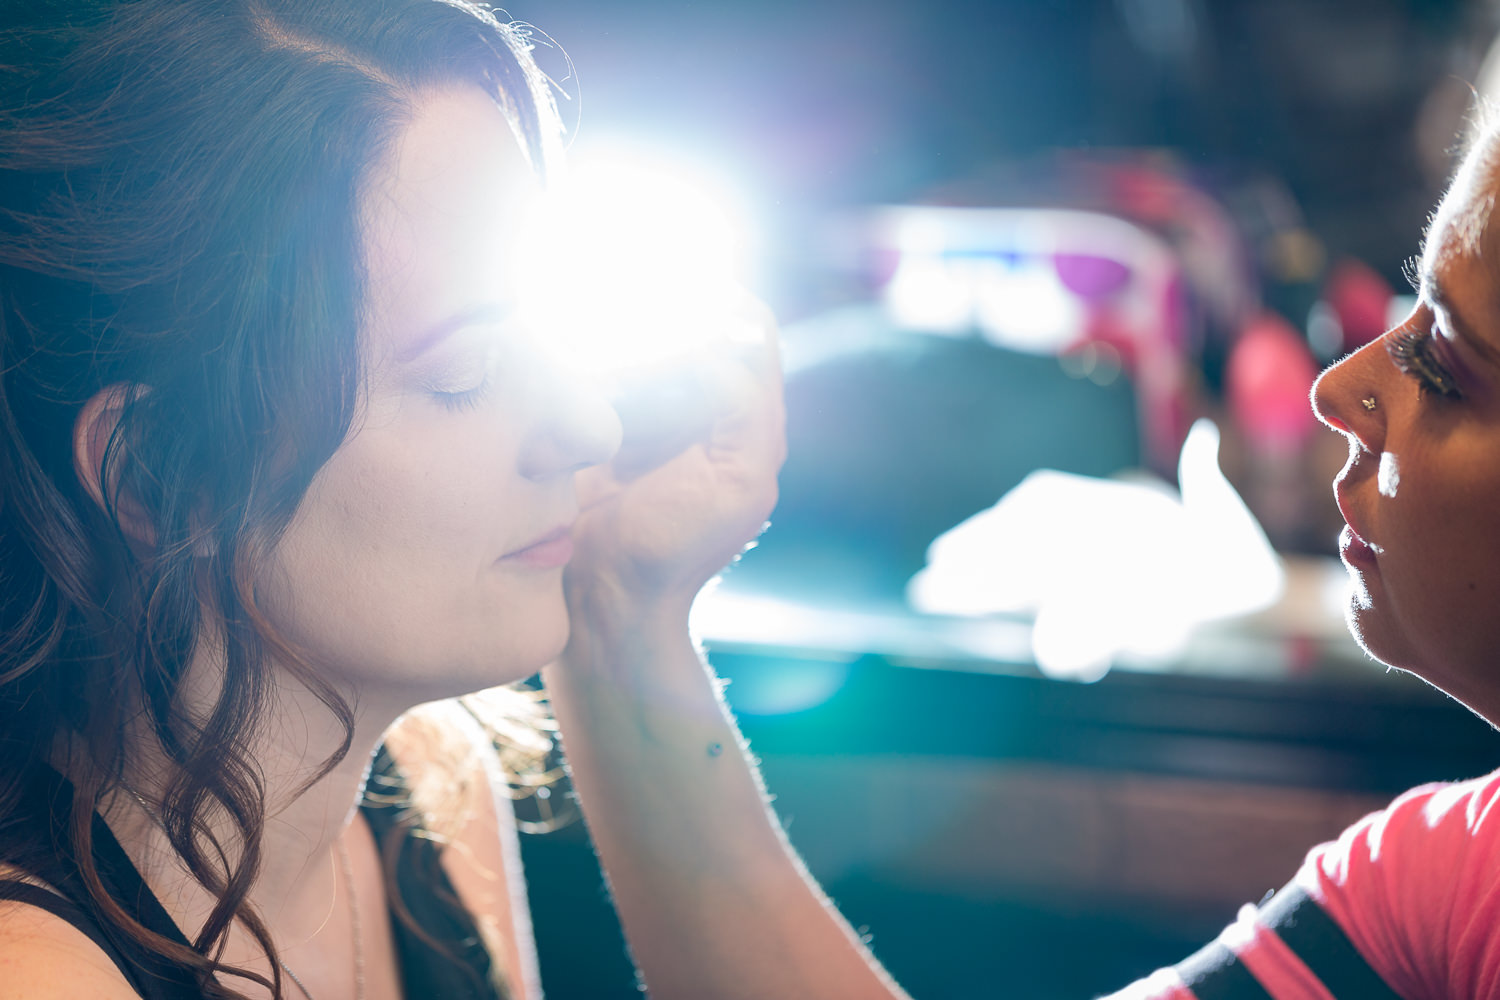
(1411,352)
(1411,270)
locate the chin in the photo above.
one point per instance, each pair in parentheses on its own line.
(1457,673)
(1373,630)
(1376,646)
(520,654)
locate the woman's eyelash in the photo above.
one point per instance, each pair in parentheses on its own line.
(1411,352)
(467,398)
(1411,270)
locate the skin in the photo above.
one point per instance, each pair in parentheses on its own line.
(1419,488)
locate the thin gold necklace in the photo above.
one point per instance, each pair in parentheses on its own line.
(346,869)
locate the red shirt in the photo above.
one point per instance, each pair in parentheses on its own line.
(1414,888)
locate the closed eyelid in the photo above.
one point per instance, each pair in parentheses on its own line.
(455,366)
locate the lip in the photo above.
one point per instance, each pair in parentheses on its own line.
(1354,549)
(1355,552)
(550,551)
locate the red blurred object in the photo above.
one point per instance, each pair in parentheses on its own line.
(1270,373)
(1360,299)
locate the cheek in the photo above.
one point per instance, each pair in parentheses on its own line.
(418,495)
(391,533)
(428,613)
(1441,568)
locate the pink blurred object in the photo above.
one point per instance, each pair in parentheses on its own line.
(1091,277)
(1268,378)
(1360,299)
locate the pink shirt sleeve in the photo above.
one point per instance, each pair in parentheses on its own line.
(1415,888)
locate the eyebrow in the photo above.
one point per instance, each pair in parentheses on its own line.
(1432,291)
(489,312)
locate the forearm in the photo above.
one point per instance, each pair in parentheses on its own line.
(714,902)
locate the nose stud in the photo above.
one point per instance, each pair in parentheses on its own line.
(1368,403)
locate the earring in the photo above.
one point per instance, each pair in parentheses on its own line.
(1368,403)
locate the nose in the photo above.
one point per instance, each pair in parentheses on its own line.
(579,428)
(1348,397)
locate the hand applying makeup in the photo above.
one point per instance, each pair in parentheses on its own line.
(694,481)
(713,901)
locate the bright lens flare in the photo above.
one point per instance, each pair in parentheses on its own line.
(629,264)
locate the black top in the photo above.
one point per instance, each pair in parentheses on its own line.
(446,959)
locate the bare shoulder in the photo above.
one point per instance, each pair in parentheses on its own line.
(43,957)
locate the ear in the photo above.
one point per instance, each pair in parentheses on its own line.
(92,430)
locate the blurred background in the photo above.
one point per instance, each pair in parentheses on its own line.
(1044,653)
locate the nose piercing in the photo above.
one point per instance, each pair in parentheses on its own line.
(1368,403)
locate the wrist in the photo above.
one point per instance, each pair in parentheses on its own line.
(633,670)
(612,612)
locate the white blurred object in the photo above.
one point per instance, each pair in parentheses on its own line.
(993,270)
(1108,568)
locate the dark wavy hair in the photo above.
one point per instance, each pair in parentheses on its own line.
(179,188)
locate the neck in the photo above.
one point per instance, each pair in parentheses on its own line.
(295,887)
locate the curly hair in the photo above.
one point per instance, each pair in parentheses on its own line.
(179,182)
